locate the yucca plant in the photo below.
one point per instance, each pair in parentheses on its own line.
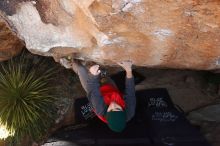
(26,100)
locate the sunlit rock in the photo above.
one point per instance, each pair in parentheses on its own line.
(173,34)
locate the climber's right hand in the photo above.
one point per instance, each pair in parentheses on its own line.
(126,65)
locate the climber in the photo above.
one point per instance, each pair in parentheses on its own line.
(109,104)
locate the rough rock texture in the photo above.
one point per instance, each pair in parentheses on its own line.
(10,45)
(167,33)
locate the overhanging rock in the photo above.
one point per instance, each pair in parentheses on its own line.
(174,34)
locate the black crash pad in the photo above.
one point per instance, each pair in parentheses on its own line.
(156,123)
(167,124)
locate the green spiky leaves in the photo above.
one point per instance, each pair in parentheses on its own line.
(26,99)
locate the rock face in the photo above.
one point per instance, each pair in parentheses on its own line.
(10,45)
(174,34)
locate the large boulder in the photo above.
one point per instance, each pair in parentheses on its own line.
(10,45)
(174,34)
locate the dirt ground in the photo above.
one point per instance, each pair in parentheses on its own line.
(188,89)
